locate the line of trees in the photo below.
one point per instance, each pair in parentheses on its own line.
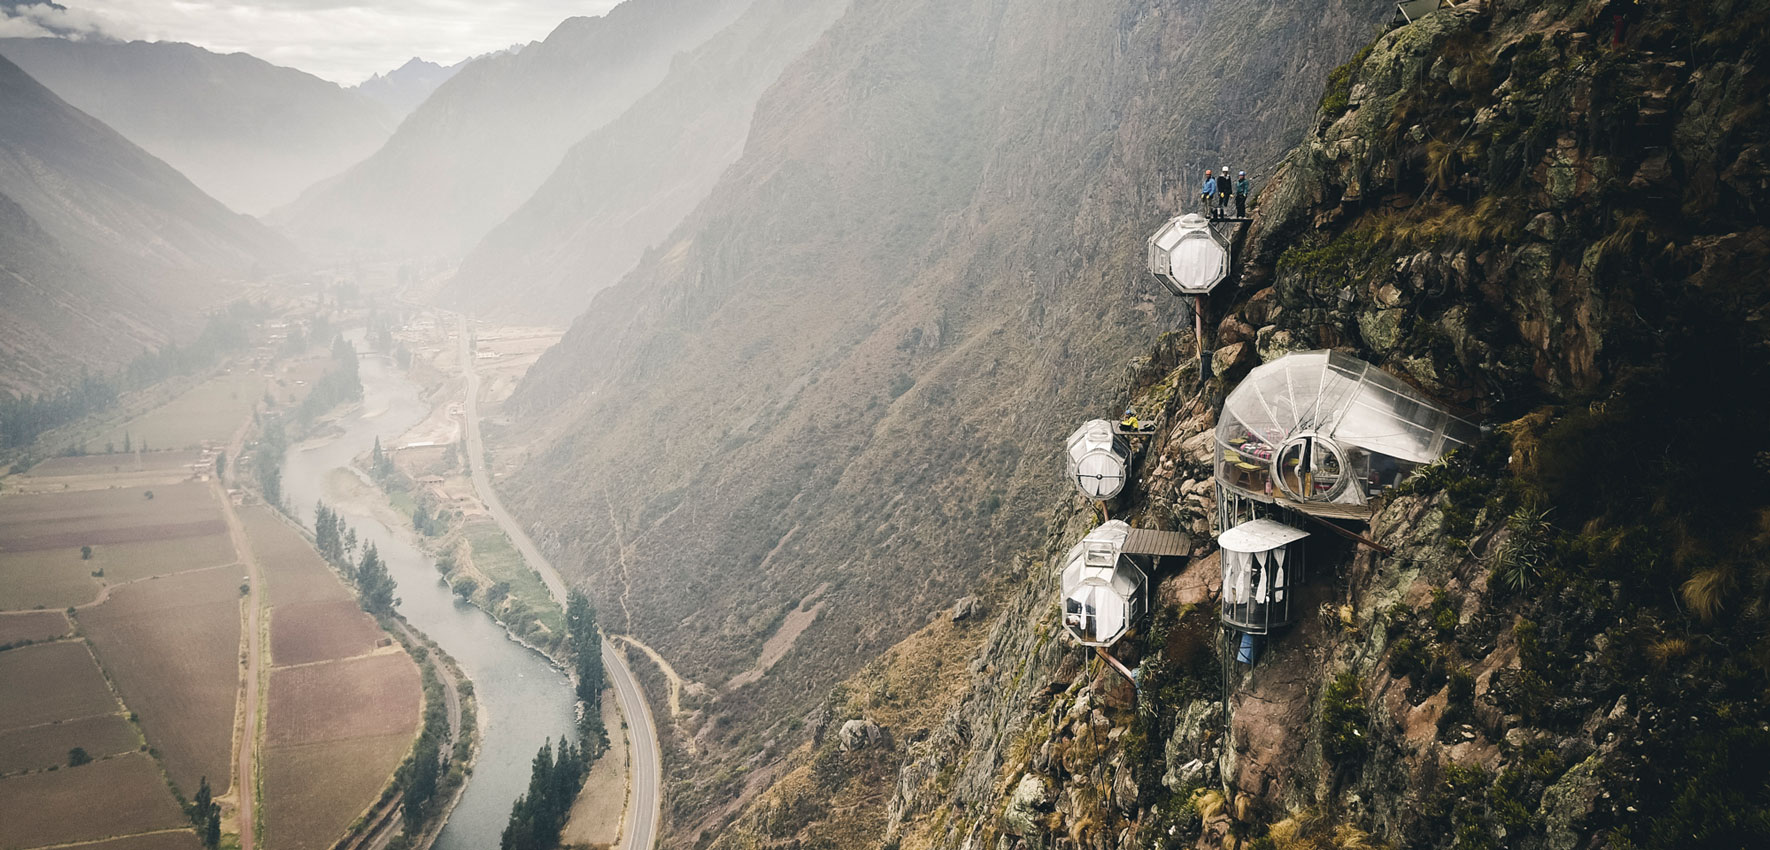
(25,417)
(539,815)
(423,771)
(586,643)
(206,814)
(339,384)
(336,541)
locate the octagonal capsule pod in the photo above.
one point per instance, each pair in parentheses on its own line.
(1099,460)
(1262,566)
(1102,589)
(1187,256)
(1324,432)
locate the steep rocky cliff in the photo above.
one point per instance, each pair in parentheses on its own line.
(831,401)
(1547,213)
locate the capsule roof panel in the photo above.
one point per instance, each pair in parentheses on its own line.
(1259,535)
(1345,399)
(1187,256)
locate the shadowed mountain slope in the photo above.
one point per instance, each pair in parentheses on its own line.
(104,250)
(484,140)
(625,186)
(853,363)
(249,133)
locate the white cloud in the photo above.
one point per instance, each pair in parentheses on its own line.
(341,40)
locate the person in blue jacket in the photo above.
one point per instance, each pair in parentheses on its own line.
(1209,190)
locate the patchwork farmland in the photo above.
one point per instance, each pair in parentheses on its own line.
(345,700)
(125,579)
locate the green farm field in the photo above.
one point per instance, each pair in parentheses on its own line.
(172,646)
(498,561)
(104,799)
(210,411)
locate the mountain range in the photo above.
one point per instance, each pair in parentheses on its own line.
(625,186)
(104,250)
(247,132)
(481,144)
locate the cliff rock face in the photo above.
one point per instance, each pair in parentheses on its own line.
(1566,646)
(843,381)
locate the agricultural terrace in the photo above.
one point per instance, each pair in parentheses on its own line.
(172,646)
(344,701)
(208,412)
(62,549)
(104,799)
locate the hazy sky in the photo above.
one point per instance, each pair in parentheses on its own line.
(341,40)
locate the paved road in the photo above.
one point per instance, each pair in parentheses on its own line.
(644,808)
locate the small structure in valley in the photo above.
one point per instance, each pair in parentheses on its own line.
(1262,566)
(1323,433)
(1105,577)
(1098,459)
(1187,256)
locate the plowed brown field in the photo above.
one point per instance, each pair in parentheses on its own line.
(32,626)
(172,646)
(313,792)
(50,682)
(339,700)
(119,796)
(41,747)
(305,632)
(293,571)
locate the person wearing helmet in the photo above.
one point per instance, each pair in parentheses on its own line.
(1241,194)
(1224,187)
(1210,188)
(1130,423)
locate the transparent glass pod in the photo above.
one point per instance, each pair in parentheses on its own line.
(1103,590)
(1324,432)
(1098,460)
(1187,256)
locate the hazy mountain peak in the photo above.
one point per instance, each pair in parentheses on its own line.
(497,129)
(403,88)
(250,133)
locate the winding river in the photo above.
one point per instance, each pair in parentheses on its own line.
(523,700)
